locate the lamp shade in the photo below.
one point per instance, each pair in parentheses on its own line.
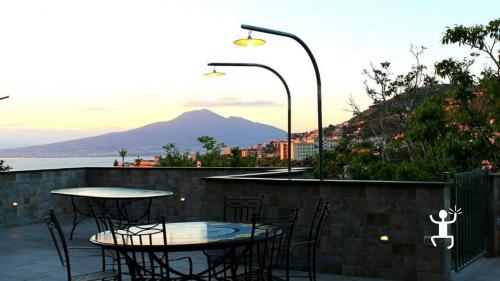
(214,73)
(249,42)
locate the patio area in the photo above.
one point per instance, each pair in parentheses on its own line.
(350,245)
(27,253)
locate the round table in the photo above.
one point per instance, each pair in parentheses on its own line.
(100,195)
(188,236)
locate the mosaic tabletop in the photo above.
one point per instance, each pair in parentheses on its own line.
(112,192)
(184,236)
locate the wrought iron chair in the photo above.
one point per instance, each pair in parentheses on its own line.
(269,248)
(131,244)
(318,221)
(240,210)
(63,252)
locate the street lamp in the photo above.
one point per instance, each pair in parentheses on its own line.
(287,93)
(318,83)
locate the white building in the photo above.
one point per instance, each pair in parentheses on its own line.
(302,150)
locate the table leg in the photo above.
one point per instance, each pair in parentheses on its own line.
(76,212)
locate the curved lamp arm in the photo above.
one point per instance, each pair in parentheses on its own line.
(318,84)
(289,160)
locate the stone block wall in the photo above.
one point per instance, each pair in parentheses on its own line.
(360,213)
(186,183)
(30,190)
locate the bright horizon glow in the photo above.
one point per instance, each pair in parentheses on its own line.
(76,69)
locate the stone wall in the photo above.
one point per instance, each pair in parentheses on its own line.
(186,183)
(361,212)
(30,190)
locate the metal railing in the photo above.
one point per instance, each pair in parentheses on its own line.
(471,191)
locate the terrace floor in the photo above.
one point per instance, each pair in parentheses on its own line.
(27,253)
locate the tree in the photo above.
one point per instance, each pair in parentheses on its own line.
(213,149)
(3,166)
(138,160)
(455,130)
(123,153)
(174,158)
(478,38)
(236,160)
(394,98)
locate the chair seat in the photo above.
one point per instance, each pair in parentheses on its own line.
(107,274)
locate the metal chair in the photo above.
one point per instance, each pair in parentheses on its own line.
(63,251)
(242,209)
(317,223)
(270,248)
(132,243)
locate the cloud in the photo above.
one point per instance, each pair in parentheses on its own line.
(228,101)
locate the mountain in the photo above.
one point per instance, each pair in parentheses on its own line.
(149,139)
(369,118)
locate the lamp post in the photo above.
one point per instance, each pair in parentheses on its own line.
(289,156)
(318,82)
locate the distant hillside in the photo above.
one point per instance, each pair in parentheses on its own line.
(371,114)
(149,139)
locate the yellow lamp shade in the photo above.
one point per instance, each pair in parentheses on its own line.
(249,42)
(214,73)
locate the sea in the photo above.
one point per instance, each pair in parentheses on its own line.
(23,164)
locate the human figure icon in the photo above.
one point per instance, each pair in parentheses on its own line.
(443,225)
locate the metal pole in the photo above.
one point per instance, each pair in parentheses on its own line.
(289,156)
(6,97)
(318,84)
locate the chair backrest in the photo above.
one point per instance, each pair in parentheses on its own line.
(131,243)
(242,209)
(274,250)
(318,222)
(59,240)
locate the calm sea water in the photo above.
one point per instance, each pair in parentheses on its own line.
(21,164)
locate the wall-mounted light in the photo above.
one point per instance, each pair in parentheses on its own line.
(384,238)
(182,199)
(15,204)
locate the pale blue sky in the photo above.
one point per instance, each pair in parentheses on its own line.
(78,68)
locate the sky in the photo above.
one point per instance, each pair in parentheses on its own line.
(82,68)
